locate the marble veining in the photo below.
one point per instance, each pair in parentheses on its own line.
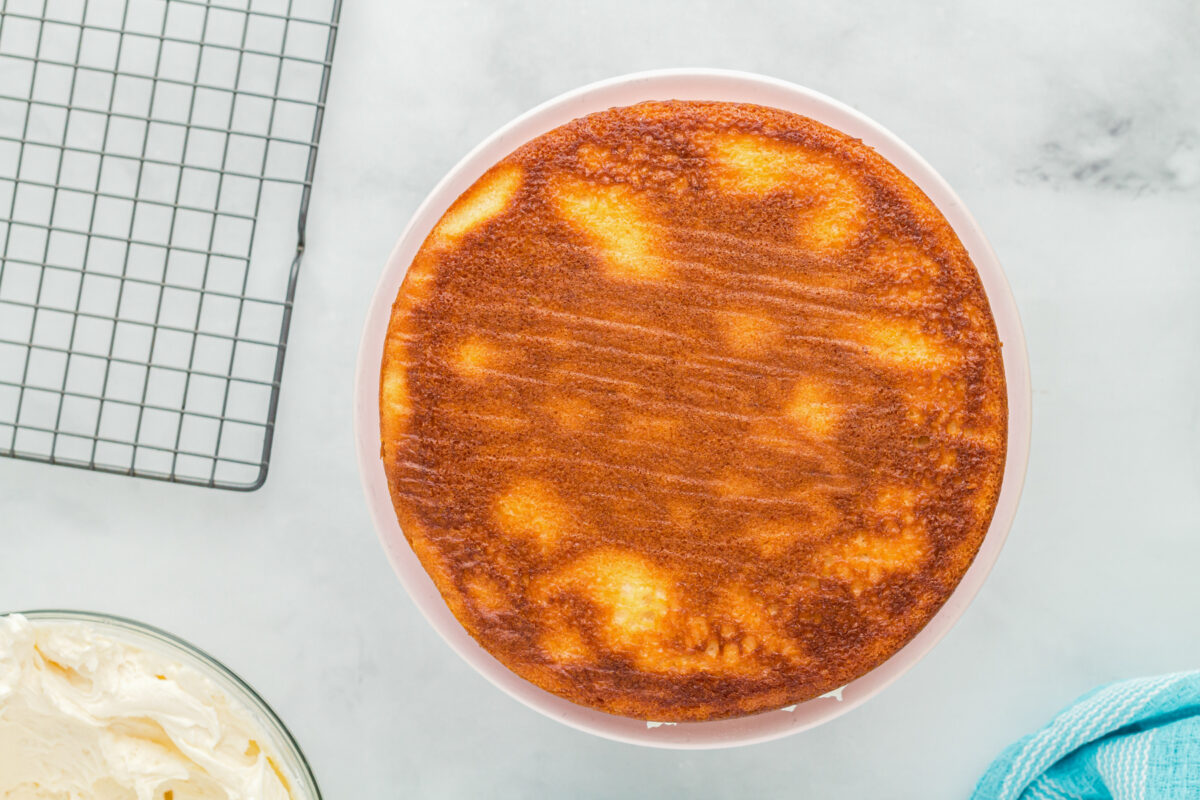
(1121,152)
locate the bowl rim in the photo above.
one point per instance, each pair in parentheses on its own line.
(142,634)
(690,84)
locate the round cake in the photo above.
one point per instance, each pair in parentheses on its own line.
(693,410)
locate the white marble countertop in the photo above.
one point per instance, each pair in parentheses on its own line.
(1074,136)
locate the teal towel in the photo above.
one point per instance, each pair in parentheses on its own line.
(1133,740)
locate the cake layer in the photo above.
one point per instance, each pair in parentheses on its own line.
(693,410)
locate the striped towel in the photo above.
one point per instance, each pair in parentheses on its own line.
(1133,740)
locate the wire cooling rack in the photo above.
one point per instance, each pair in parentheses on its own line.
(155,156)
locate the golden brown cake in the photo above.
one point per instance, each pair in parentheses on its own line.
(693,410)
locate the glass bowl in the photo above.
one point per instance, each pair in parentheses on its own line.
(280,744)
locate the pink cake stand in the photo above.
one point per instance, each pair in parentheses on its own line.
(690,84)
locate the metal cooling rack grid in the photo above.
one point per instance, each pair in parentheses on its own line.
(155,156)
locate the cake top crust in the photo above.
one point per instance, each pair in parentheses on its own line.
(693,410)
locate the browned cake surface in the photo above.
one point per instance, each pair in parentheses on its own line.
(693,410)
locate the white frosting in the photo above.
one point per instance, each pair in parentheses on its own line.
(85,716)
